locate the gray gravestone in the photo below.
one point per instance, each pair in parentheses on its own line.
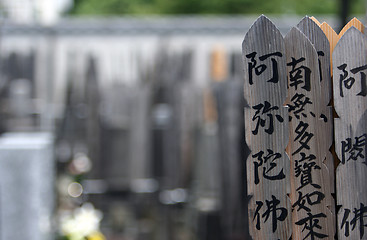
(26,186)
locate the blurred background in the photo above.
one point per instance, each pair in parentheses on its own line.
(123,119)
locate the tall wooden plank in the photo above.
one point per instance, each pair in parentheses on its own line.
(350,90)
(352,23)
(266,127)
(325,128)
(311,215)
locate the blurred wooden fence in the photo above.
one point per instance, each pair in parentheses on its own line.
(295,178)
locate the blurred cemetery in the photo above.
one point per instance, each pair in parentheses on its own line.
(140,116)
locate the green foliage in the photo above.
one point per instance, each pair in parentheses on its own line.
(313,7)
(140,7)
(62,238)
(113,7)
(358,6)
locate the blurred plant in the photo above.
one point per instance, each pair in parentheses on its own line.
(81,224)
(120,7)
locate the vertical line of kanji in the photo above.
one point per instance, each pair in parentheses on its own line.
(266,126)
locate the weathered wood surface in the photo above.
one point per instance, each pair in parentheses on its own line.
(350,65)
(333,37)
(266,126)
(314,33)
(317,37)
(310,188)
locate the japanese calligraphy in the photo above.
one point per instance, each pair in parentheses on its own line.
(354,149)
(348,82)
(299,74)
(322,54)
(297,105)
(253,66)
(265,109)
(308,199)
(303,136)
(305,170)
(268,165)
(355,219)
(311,223)
(308,194)
(269,159)
(276,213)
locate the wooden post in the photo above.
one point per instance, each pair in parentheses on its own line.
(266,126)
(310,186)
(319,40)
(350,90)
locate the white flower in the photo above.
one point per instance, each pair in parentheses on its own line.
(85,221)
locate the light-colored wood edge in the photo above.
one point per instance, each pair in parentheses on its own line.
(333,38)
(355,23)
(315,20)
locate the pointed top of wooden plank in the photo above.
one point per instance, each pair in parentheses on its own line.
(301,51)
(352,45)
(262,23)
(331,35)
(299,47)
(307,21)
(333,38)
(261,19)
(355,23)
(351,36)
(315,20)
(263,49)
(295,33)
(318,38)
(312,30)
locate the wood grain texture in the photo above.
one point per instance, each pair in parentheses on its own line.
(333,38)
(310,186)
(266,126)
(321,43)
(350,61)
(319,40)
(352,23)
